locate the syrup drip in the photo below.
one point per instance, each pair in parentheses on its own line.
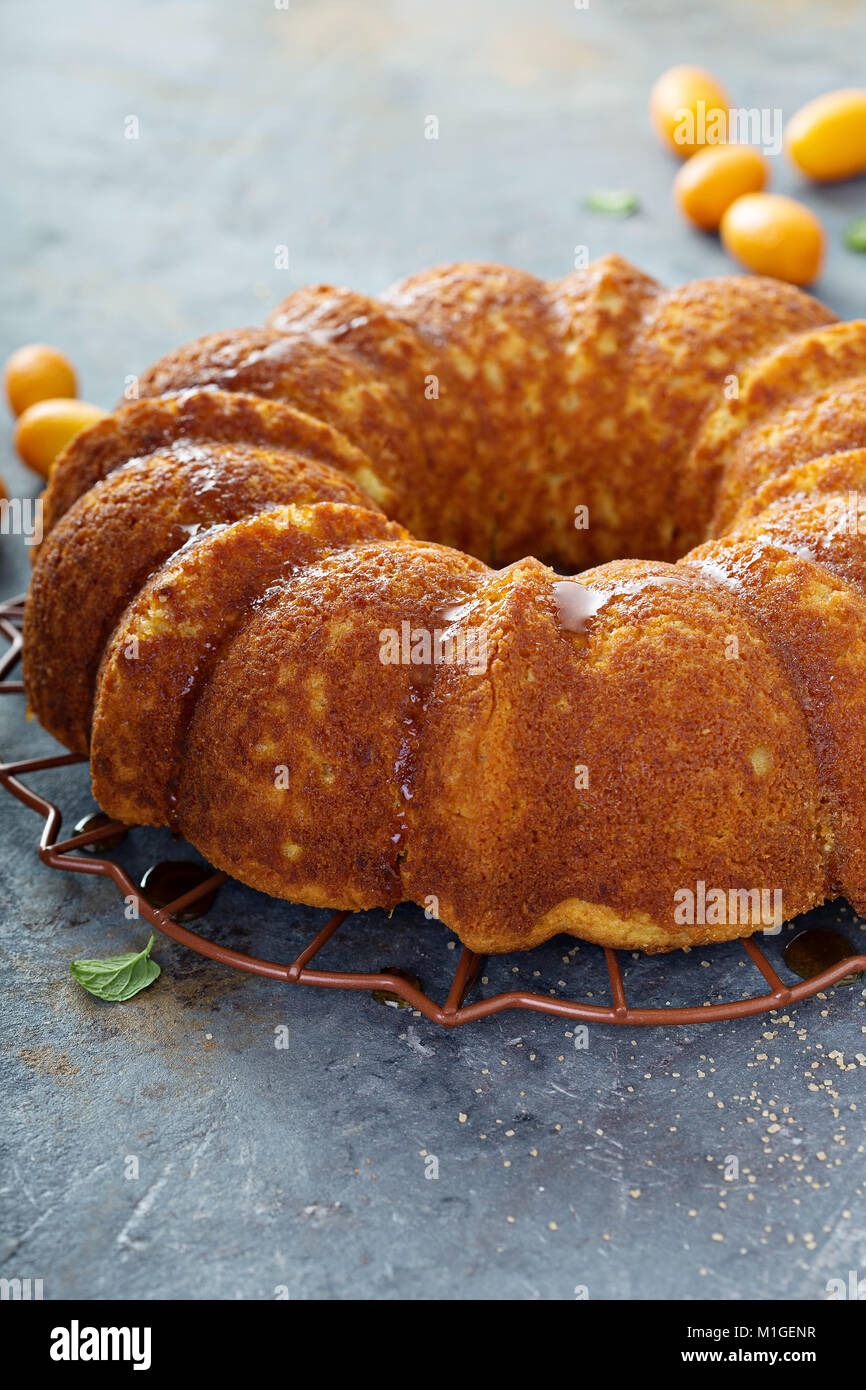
(717,574)
(404,768)
(387,996)
(813,951)
(575,604)
(802,552)
(171,879)
(421,679)
(92,822)
(453,612)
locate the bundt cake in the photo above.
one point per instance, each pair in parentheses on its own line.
(227,613)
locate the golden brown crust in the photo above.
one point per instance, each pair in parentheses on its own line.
(797,370)
(603,745)
(169,641)
(118,533)
(486,330)
(695,344)
(802,579)
(829,422)
(323,382)
(839,473)
(191,417)
(317,730)
(596,318)
(583,782)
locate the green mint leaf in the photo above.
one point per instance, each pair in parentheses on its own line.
(855,234)
(117,977)
(615,202)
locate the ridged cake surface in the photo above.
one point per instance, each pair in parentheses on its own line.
(284,602)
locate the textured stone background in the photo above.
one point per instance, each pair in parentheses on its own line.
(305,1167)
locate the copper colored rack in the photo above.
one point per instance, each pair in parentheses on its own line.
(63,854)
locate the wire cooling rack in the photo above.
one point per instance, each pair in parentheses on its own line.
(65,854)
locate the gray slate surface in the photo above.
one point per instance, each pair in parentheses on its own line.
(305,1167)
